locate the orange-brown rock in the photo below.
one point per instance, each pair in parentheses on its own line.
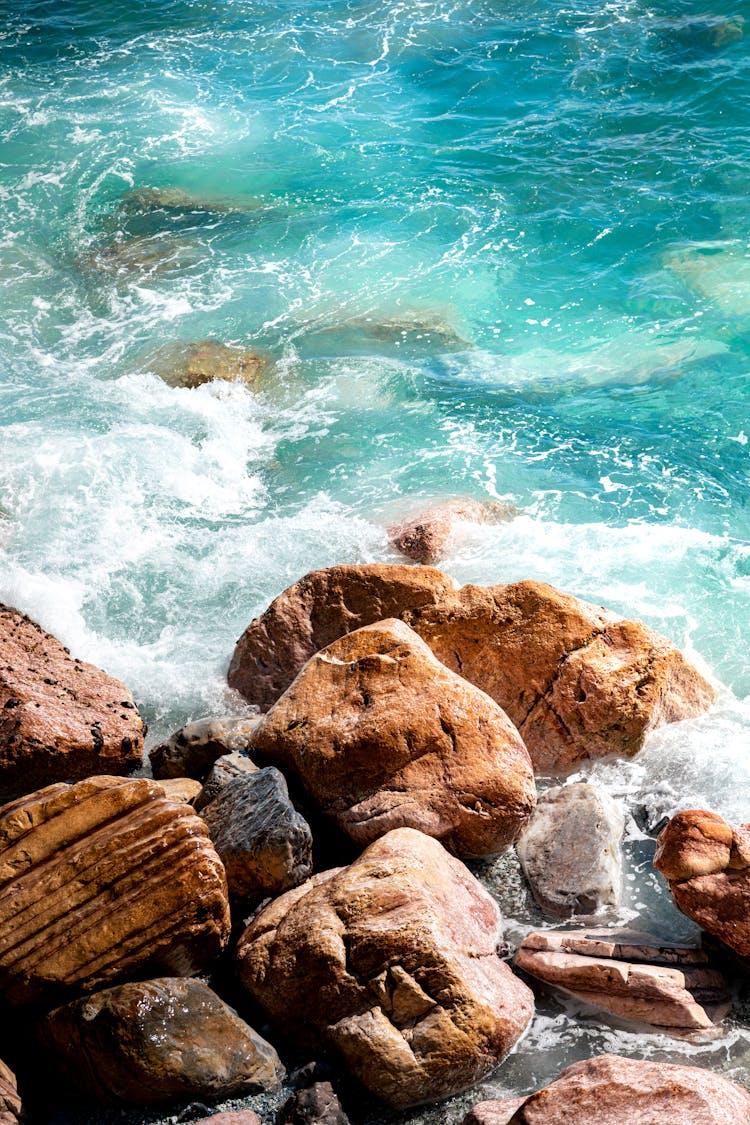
(428,536)
(611,1090)
(383,736)
(10,1102)
(101,880)
(320,608)
(392,962)
(181,789)
(706,863)
(157,1041)
(60,719)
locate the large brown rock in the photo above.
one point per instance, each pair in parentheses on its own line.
(706,863)
(102,880)
(610,1090)
(428,536)
(623,973)
(157,1041)
(383,736)
(577,681)
(392,962)
(60,719)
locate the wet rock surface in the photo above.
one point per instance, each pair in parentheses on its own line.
(264,843)
(383,736)
(157,1041)
(181,789)
(570,851)
(427,536)
(192,750)
(223,770)
(101,880)
(192,365)
(60,718)
(391,962)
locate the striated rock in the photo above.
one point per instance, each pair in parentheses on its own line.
(223,770)
(611,1090)
(317,1105)
(623,973)
(392,963)
(157,1041)
(320,608)
(59,718)
(264,843)
(181,789)
(578,682)
(428,536)
(102,880)
(10,1102)
(191,365)
(570,852)
(383,736)
(706,863)
(192,750)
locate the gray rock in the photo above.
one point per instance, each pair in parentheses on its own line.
(264,843)
(570,852)
(223,770)
(317,1105)
(192,750)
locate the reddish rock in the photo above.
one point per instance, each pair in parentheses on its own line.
(157,1041)
(59,718)
(610,1090)
(706,863)
(501,1112)
(383,736)
(392,962)
(10,1102)
(192,750)
(238,1117)
(102,880)
(428,536)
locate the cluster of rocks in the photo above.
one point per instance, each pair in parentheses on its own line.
(413,718)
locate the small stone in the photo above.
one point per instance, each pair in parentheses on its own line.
(223,770)
(500,1112)
(158,1041)
(570,852)
(428,536)
(264,843)
(192,750)
(317,1105)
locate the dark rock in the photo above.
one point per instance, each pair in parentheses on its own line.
(192,750)
(317,1105)
(223,770)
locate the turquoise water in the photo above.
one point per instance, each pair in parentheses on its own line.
(496,249)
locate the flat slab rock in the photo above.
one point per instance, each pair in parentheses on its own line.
(60,718)
(570,851)
(192,750)
(158,1041)
(577,681)
(101,880)
(611,1090)
(382,736)
(625,974)
(706,863)
(392,963)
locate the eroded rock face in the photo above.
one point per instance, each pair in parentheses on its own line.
(610,1090)
(192,750)
(59,718)
(223,770)
(383,736)
(157,1041)
(191,365)
(320,608)
(578,682)
(671,988)
(706,863)
(392,963)
(264,843)
(428,536)
(100,880)
(570,852)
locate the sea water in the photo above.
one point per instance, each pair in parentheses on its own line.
(495,249)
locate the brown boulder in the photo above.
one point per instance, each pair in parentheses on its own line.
(100,880)
(383,736)
(622,973)
(392,962)
(191,365)
(192,750)
(158,1041)
(59,718)
(706,863)
(611,1090)
(428,536)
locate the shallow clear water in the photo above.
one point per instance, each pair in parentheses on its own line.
(493,249)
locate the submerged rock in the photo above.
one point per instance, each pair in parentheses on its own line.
(706,863)
(392,963)
(102,880)
(192,750)
(428,536)
(383,736)
(59,718)
(144,256)
(624,973)
(192,365)
(610,1090)
(570,852)
(181,200)
(157,1041)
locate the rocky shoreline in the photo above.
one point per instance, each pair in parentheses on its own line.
(291,910)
